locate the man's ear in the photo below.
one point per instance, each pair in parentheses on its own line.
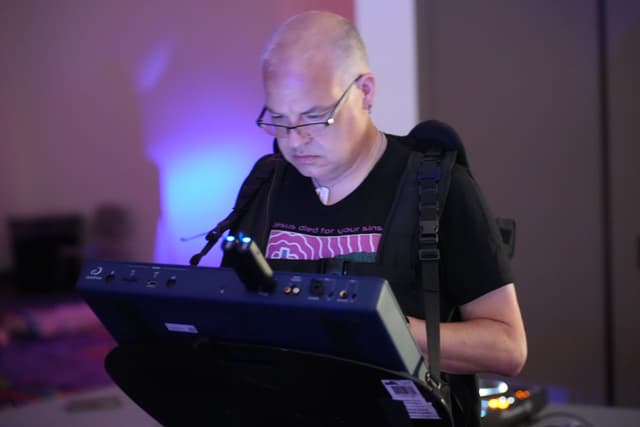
(367,84)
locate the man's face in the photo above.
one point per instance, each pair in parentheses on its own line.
(294,98)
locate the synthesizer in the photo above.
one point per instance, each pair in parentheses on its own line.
(356,318)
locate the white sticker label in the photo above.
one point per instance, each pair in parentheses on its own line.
(408,393)
(181,327)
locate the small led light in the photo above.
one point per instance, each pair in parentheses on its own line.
(504,403)
(246,239)
(499,403)
(503,387)
(230,238)
(522,394)
(498,387)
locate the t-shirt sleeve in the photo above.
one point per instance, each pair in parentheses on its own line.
(473,258)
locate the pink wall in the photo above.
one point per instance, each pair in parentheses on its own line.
(146,104)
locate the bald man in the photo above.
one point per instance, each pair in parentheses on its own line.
(333,197)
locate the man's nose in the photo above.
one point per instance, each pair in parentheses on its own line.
(297,137)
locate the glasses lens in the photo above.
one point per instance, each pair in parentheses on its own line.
(274,130)
(312,129)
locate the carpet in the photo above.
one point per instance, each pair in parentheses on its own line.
(33,369)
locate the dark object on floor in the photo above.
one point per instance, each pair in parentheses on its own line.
(47,252)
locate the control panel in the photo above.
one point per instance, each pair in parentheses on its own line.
(346,316)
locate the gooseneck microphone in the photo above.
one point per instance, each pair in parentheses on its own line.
(213,236)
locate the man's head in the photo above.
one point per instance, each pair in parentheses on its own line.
(316,38)
(315,64)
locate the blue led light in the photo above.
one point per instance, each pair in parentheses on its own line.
(246,239)
(230,238)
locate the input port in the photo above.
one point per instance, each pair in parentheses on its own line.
(316,287)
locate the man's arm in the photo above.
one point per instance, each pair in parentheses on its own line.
(490,337)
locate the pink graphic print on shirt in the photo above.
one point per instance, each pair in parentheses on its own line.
(291,245)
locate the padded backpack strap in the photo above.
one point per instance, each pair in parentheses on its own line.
(432,133)
(433,177)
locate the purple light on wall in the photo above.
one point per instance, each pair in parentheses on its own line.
(153,65)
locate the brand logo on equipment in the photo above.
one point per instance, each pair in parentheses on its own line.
(96,271)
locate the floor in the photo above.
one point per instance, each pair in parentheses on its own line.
(105,406)
(62,380)
(31,369)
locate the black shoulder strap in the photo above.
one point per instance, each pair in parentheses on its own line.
(433,181)
(258,177)
(441,148)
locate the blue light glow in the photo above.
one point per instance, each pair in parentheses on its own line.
(199,182)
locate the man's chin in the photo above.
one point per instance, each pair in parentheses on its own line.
(309,166)
(308,170)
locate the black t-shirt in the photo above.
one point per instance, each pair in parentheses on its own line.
(304,228)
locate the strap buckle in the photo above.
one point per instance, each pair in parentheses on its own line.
(429,254)
(428,239)
(429,231)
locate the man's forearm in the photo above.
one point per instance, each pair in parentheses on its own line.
(475,346)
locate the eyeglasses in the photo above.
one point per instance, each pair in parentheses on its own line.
(310,129)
